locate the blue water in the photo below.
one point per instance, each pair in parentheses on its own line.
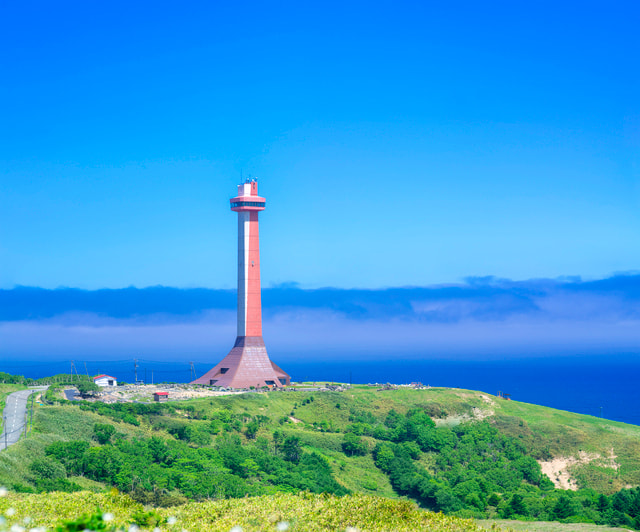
(606,386)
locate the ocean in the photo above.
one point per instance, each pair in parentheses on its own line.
(603,386)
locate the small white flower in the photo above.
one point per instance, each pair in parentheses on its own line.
(156,529)
(282,525)
(17,528)
(236,529)
(27,520)
(3,491)
(11,511)
(133,528)
(172,521)
(351,529)
(107,517)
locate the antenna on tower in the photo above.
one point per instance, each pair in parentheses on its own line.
(135,370)
(193,371)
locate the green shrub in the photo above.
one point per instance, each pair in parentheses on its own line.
(102,432)
(47,468)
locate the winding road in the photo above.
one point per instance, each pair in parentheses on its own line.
(14,416)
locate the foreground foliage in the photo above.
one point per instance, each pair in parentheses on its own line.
(303,512)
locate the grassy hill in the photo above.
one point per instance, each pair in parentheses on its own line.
(613,447)
(466,453)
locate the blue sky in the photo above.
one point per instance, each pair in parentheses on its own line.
(464,177)
(397,143)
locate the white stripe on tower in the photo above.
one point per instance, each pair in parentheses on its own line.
(247,231)
(243,271)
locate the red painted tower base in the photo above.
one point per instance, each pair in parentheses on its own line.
(245,366)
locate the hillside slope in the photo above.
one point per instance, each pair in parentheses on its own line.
(461,452)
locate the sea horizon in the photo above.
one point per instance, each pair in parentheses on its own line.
(597,385)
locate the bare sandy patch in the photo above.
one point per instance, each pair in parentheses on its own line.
(487,399)
(559,469)
(477,414)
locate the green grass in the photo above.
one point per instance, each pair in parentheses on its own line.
(562,433)
(538,526)
(52,423)
(548,432)
(304,513)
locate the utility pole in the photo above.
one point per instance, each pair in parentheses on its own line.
(135,370)
(152,377)
(73,366)
(85,369)
(193,371)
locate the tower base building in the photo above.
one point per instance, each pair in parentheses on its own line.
(248,363)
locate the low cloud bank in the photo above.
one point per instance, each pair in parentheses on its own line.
(483,316)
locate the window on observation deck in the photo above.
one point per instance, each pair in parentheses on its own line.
(247,204)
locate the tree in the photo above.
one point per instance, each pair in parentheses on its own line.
(603,503)
(563,508)
(86,387)
(102,432)
(291,449)
(252,429)
(518,506)
(384,456)
(353,445)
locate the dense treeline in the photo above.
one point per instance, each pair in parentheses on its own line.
(6,378)
(61,379)
(470,470)
(477,472)
(163,471)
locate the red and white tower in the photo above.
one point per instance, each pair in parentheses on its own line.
(248,363)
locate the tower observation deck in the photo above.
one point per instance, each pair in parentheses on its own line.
(248,363)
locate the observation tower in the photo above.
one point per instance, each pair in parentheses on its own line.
(247,364)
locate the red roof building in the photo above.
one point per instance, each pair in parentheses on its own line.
(105,380)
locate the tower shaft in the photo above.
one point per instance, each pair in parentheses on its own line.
(247,364)
(249,300)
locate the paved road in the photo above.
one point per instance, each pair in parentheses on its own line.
(14,415)
(71,395)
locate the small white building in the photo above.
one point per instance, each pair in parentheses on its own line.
(105,380)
